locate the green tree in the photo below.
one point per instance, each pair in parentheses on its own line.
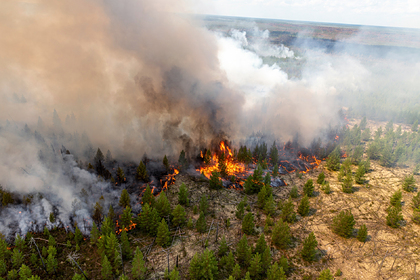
(321,178)
(106,270)
(222,165)
(179,216)
(309,248)
(207,157)
(343,224)
(162,205)
(148,197)
(262,195)
(294,193)
(274,154)
(12,274)
(107,226)
(182,160)
(139,269)
(409,184)
(288,213)
(366,134)
(141,172)
(325,275)
(51,263)
(359,174)
(17,258)
(183,195)
(111,213)
(255,268)
(204,204)
(34,277)
(333,160)
(415,126)
(267,181)
(281,236)
(78,237)
(120,175)
(25,272)
(124,199)
(203,266)
(215,181)
(243,252)
(236,272)
(51,241)
(201,224)
(276,273)
(52,218)
(20,242)
(415,202)
(126,217)
(396,199)
(347,185)
(125,245)
(223,247)
(394,216)
(240,210)
(303,208)
(309,188)
(163,237)
(275,172)
(363,123)
(97,212)
(227,263)
(266,260)
(94,233)
(248,224)
(166,163)
(362,233)
(270,206)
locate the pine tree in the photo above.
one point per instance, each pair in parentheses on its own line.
(148,197)
(276,273)
(107,226)
(240,210)
(125,245)
(227,262)
(274,154)
(266,260)
(163,237)
(139,269)
(207,157)
(46,231)
(262,195)
(182,160)
(347,184)
(178,215)
(120,175)
(255,268)
(97,212)
(141,172)
(275,172)
(415,202)
(78,237)
(12,274)
(304,206)
(222,165)
(174,275)
(248,224)
(126,217)
(34,277)
(363,123)
(203,266)
(325,275)
(51,241)
(359,174)
(25,272)
(394,216)
(124,199)
(333,160)
(284,264)
(309,188)
(270,206)
(111,213)
(162,205)
(201,224)
(215,182)
(362,233)
(51,263)
(20,242)
(321,178)
(409,184)
(288,213)
(183,195)
(166,163)
(243,252)
(396,199)
(94,234)
(106,270)
(294,193)
(17,258)
(281,236)
(223,247)
(204,204)
(153,225)
(52,218)
(309,248)
(3,249)
(247,276)
(343,224)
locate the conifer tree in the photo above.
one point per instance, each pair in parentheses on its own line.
(178,215)
(20,242)
(52,218)
(325,275)
(303,208)
(162,205)
(333,160)
(240,210)
(125,245)
(394,216)
(309,248)
(255,268)
(207,157)
(25,272)
(126,217)
(281,236)
(223,247)
(166,163)
(201,224)
(51,263)
(308,188)
(266,260)
(409,183)
(124,199)
(294,193)
(182,160)
(97,212)
(262,196)
(248,223)
(12,274)
(153,222)
(236,272)
(139,269)
(3,249)
(120,175)
(3,268)
(204,204)
(276,273)
(227,262)
(203,266)
(343,224)
(247,276)
(141,172)
(148,197)
(288,213)
(94,234)
(415,202)
(362,233)
(46,231)
(106,270)
(270,206)
(347,184)
(51,241)
(215,182)
(275,172)
(261,244)
(222,165)
(78,237)
(183,195)
(111,213)
(360,172)
(162,238)
(143,218)
(243,252)
(284,264)
(274,154)
(396,199)
(17,258)
(321,178)
(107,226)
(267,180)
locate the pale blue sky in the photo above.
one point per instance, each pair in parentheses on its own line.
(397,13)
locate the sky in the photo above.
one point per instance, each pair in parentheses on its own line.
(395,13)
